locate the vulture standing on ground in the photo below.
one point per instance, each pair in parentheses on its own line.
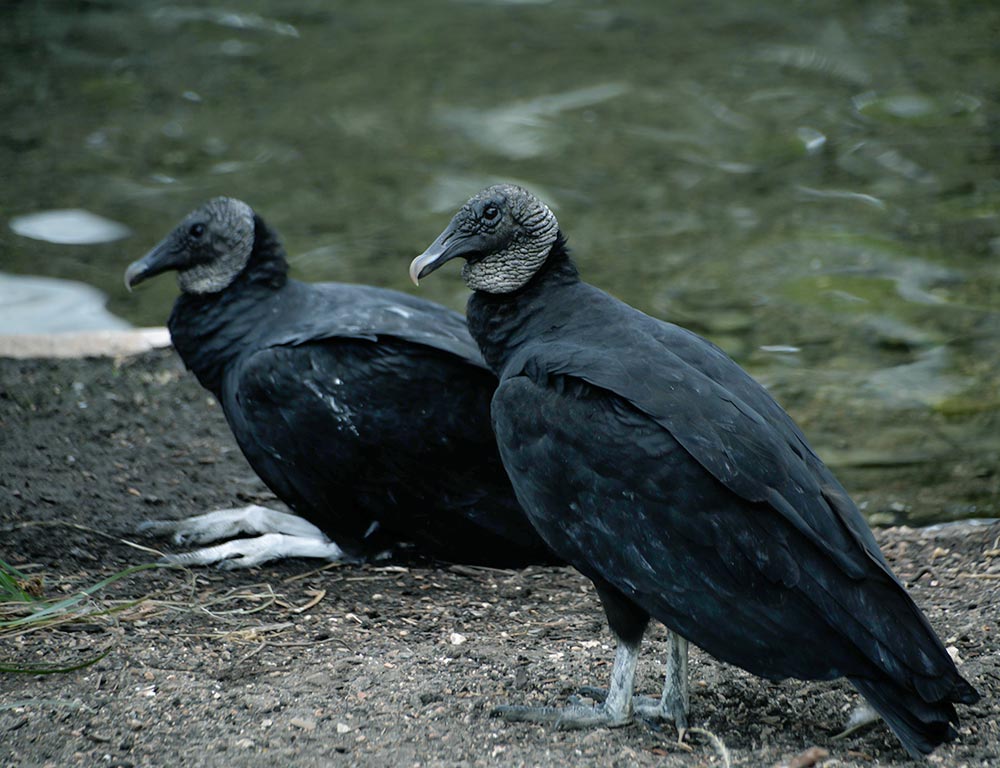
(657,467)
(334,395)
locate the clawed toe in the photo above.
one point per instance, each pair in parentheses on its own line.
(653,711)
(573,716)
(258,550)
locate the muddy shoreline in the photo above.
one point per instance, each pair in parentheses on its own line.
(391,664)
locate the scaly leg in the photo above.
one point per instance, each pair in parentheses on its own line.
(251,552)
(615,709)
(674,704)
(226,523)
(285,535)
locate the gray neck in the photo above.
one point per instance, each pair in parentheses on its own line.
(510,269)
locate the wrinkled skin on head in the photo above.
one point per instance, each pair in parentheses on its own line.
(208,249)
(504,233)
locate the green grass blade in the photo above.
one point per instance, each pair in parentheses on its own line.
(62,607)
(10,584)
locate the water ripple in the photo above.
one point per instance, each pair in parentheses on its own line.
(230,19)
(47,305)
(522,129)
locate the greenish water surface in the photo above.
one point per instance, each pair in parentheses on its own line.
(814,186)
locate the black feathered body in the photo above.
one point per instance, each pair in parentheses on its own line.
(655,465)
(344,398)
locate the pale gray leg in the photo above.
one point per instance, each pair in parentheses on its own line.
(674,704)
(284,535)
(226,523)
(247,553)
(861,715)
(615,710)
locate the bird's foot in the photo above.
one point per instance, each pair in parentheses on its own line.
(655,710)
(613,710)
(649,708)
(248,553)
(569,717)
(861,716)
(226,523)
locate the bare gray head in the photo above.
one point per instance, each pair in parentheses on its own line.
(504,234)
(208,249)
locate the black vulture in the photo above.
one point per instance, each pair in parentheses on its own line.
(657,467)
(333,393)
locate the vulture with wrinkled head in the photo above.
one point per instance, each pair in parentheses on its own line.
(651,462)
(347,400)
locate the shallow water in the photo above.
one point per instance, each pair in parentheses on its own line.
(813,186)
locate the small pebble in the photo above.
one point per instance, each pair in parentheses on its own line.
(305,723)
(939,552)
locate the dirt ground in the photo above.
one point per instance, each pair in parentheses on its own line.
(396,664)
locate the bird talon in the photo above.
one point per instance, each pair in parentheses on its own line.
(562,718)
(519,713)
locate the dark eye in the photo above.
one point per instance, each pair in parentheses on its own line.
(197,230)
(491,213)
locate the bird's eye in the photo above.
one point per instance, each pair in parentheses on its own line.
(196,230)
(491,213)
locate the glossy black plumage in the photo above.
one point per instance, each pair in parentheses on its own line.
(654,464)
(341,397)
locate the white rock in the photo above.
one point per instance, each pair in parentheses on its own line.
(70,226)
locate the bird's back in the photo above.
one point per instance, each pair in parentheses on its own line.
(648,458)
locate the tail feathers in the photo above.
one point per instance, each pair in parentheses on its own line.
(919,724)
(945,688)
(964,693)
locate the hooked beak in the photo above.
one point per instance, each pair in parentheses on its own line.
(450,244)
(161,259)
